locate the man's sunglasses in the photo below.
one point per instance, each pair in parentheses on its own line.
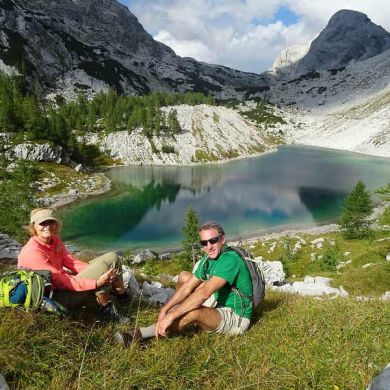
(212,241)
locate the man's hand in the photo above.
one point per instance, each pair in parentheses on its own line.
(163,325)
(162,314)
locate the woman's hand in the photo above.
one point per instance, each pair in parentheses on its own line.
(107,278)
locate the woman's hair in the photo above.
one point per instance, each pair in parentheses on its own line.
(30,229)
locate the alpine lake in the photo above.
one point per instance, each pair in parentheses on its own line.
(293,187)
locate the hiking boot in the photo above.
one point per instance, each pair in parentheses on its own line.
(123,298)
(109,313)
(126,338)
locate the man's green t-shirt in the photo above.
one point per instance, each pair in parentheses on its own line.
(229,266)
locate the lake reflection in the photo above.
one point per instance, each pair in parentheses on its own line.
(295,186)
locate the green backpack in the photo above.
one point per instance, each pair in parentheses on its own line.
(33,284)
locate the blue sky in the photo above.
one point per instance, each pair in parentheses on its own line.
(243,34)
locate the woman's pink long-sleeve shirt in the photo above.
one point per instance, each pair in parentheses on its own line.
(37,255)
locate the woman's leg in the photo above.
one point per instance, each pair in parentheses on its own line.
(97,267)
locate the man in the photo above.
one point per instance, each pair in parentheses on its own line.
(215,297)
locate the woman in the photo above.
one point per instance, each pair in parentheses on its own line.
(74,281)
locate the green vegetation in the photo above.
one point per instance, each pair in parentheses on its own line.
(295,343)
(29,117)
(263,114)
(17,195)
(191,236)
(354,220)
(205,156)
(334,251)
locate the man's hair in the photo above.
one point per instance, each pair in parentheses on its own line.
(212,225)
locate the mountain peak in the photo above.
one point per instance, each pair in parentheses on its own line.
(349,36)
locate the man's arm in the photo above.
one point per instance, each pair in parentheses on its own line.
(193,301)
(180,295)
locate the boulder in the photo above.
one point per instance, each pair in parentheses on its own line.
(156,293)
(145,255)
(9,248)
(273,272)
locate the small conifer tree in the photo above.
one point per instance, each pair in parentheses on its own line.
(191,235)
(354,220)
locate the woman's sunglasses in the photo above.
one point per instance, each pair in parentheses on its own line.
(212,241)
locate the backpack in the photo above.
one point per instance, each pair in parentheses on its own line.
(26,289)
(256,273)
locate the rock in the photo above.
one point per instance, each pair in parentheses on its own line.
(312,286)
(38,152)
(156,293)
(318,243)
(3,383)
(388,257)
(346,253)
(165,256)
(9,248)
(273,272)
(73,192)
(367,265)
(297,247)
(381,381)
(78,167)
(386,296)
(145,255)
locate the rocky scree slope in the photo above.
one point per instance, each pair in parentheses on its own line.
(209,133)
(92,45)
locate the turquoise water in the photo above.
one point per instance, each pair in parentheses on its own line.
(295,186)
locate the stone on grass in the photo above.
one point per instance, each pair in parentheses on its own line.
(273,272)
(144,256)
(388,257)
(156,293)
(386,296)
(313,286)
(367,265)
(9,248)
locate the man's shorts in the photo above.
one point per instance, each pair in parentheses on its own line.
(231,323)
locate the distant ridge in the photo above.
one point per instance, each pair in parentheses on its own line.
(91,45)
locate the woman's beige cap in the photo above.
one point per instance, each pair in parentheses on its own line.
(39,215)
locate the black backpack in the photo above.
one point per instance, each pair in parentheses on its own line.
(256,272)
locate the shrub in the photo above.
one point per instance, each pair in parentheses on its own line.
(167,149)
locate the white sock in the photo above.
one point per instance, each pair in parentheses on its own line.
(148,332)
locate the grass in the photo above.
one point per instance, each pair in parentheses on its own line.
(372,281)
(295,343)
(64,178)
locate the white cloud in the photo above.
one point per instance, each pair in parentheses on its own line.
(242,33)
(186,48)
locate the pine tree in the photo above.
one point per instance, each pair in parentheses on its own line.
(354,220)
(191,235)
